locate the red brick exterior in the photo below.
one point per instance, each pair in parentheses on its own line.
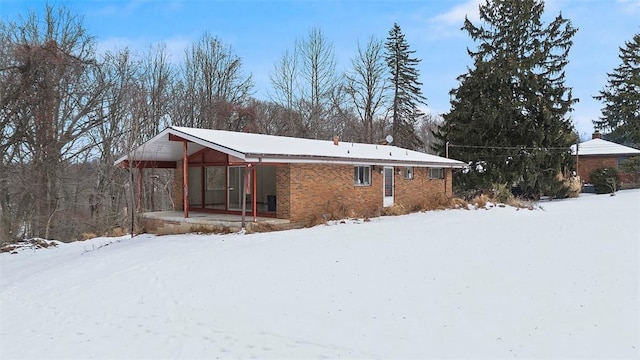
(588,163)
(283,192)
(309,192)
(413,192)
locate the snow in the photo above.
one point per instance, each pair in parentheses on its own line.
(561,281)
(603,147)
(262,148)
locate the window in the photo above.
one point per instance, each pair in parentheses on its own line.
(622,159)
(408,173)
(362,175)
(436,173)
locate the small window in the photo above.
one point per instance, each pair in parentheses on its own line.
(408,173)
(436,173)
(622,159)
(362,175)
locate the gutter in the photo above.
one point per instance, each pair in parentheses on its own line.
(315,159)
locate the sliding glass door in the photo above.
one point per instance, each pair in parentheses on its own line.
(236,179)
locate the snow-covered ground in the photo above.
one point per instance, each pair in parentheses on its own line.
(558,282)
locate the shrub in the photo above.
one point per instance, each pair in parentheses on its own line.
(605,180)
(502,193)
(480,201)
(632,167)
(574,186)
(394,210)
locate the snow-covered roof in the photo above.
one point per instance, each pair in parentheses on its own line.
(258,148)
(603,147)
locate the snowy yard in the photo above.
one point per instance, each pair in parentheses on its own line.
(558,282)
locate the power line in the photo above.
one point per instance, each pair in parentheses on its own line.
(509,147)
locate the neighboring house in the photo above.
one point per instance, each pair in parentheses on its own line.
(290,178)
(598,153)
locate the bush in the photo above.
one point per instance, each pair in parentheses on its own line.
(632,167)
(502,193)
(605,180)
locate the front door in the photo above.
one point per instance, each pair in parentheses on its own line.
(387,186)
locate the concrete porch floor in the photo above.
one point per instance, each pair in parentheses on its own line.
(174,222)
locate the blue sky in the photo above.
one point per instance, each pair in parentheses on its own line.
(260,32)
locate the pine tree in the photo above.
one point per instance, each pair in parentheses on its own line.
(620,119)
(509,114)
(407,94)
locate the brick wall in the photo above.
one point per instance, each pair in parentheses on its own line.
(314,190)
(283,191)
(589,163)
(306,192)
(413,192)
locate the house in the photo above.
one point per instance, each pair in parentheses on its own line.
(289,178)
(598,153)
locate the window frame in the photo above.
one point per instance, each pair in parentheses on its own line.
(621,159)
(365,179)
(439,176)
(408,173)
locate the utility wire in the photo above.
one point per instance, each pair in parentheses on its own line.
(508,147)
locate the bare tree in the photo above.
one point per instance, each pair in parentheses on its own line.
(59,86)
(212,84)
(428,124)
(305,83)
(367,85)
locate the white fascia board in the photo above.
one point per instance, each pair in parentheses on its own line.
(355,162)
(209,144)
(142,146)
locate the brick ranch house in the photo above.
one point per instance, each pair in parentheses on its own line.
(598,153)
(289,178)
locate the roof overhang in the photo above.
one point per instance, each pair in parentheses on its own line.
(167,148)
(297,159)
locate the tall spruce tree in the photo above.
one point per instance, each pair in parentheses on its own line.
(407,94)
(509,114)
(620,120)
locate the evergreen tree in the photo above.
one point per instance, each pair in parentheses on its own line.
(620,120)
(509,114)
(407,94)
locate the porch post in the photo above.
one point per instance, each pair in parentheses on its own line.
(185,179)
(244,194)
(139,189)
(254,183)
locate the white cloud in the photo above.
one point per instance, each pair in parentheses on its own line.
(456,15)
(448,24)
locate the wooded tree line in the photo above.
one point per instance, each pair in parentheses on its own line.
(67,112)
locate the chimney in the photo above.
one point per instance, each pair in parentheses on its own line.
(336,140)
(596,135)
